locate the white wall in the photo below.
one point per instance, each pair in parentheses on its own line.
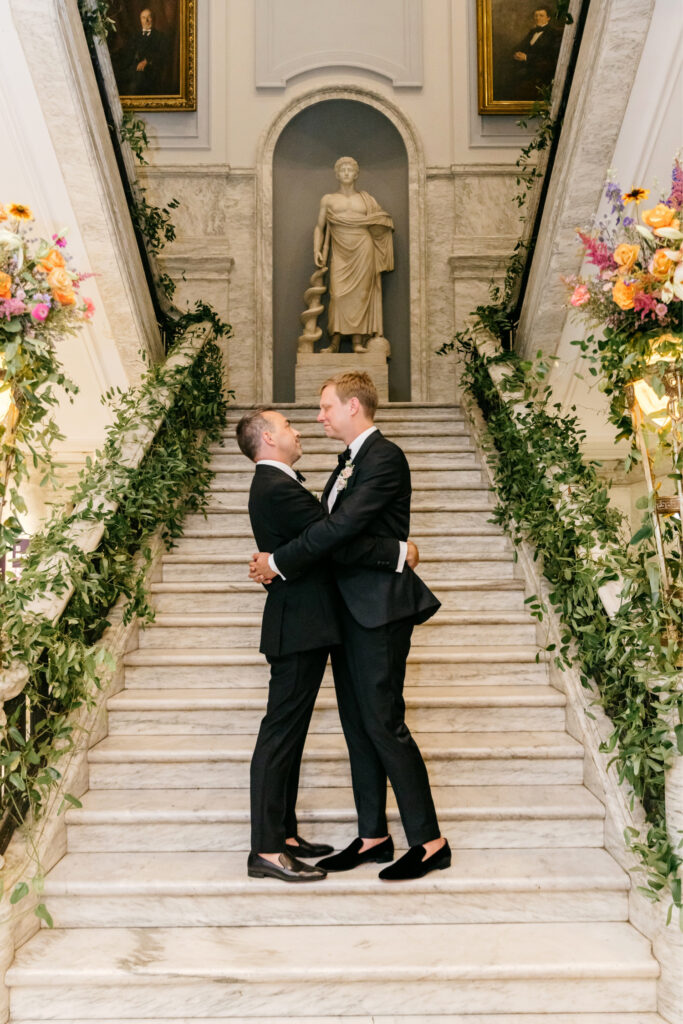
(233,113)
(30,173)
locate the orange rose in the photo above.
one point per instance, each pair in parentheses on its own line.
(5,285)
(625,256)
(660,216)
(623,294)
(660,266)
(61,285)
(53,260)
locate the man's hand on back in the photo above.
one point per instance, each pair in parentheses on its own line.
(259,570)
(413,556)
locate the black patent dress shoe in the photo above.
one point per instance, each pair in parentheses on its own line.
(411,864)
(288,870)
(351,857)
(306,849)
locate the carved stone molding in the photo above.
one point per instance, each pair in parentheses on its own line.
(263,342)
(480,256)
(288,40)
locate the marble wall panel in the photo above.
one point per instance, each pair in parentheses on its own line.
(470,228)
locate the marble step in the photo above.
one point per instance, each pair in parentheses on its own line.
(392,412)
(457,499)
(316,443)
(453,759)
(432,515)
(485,665)
(250,597)
(459,565)
(225,462)
(452,968)
(477,816)
(429,709)
(448,542)
(213,890)
(438,477)
(399,430)
(446,628)
(440,1018)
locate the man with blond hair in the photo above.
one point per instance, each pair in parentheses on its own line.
(370,491)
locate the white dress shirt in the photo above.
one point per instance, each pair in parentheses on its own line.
(355,447)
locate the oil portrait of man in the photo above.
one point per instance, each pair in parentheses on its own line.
(153,53)
(518,47)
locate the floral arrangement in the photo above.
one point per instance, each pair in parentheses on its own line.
(40,302)
(639,262)
(38,290)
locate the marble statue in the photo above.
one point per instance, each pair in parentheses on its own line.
(356,233)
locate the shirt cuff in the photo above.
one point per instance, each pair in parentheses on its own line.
(402,555)
(271,563)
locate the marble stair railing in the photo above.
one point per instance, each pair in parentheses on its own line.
(17,922)
(588,723)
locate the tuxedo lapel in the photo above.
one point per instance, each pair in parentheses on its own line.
(366,447)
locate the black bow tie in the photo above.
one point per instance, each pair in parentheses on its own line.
(343,458)
(300,477)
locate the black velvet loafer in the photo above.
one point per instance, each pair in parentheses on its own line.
(351,857)
(411,864)
(288,870)
(306,849)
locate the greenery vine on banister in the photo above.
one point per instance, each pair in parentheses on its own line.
(536,455)
(62,662)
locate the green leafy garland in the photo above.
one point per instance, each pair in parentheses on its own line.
(630,658)
(63,662)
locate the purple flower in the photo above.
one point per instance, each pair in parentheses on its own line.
(613,193)
(11,307)
(60,241)
(628,222)
(40,311)
(676,195)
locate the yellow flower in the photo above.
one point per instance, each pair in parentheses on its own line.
(636,195)
(625,256)
(20,212)
(61,286)
(623,294)
(3,213)
(660,216)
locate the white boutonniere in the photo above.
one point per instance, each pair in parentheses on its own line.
(345,476)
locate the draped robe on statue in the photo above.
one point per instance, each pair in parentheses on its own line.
(362,248)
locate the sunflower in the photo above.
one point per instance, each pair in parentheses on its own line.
(636,195)
(20,212)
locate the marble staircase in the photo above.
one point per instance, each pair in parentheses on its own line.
(155,918)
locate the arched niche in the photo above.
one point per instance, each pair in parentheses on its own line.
(294,170)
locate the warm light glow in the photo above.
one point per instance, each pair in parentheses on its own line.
(654,407)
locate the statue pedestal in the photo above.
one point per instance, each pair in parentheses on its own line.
(312,368)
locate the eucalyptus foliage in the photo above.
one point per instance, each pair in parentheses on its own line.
(63,662)
(549,497)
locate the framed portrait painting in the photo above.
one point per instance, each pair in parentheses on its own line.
(517,48)
(153,52)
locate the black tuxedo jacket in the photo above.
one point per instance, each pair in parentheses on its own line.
(542,56)
(151,48)
(376,499)
(303,613)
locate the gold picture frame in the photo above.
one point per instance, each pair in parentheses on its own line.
(156,70)
(511,68)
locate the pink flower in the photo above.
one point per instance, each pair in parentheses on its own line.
(580,296)
(58,240)
(661,309)
(40,312)
(89,308)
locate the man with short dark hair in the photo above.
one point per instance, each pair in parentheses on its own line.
(300,627)
(370,489)
(536,56)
